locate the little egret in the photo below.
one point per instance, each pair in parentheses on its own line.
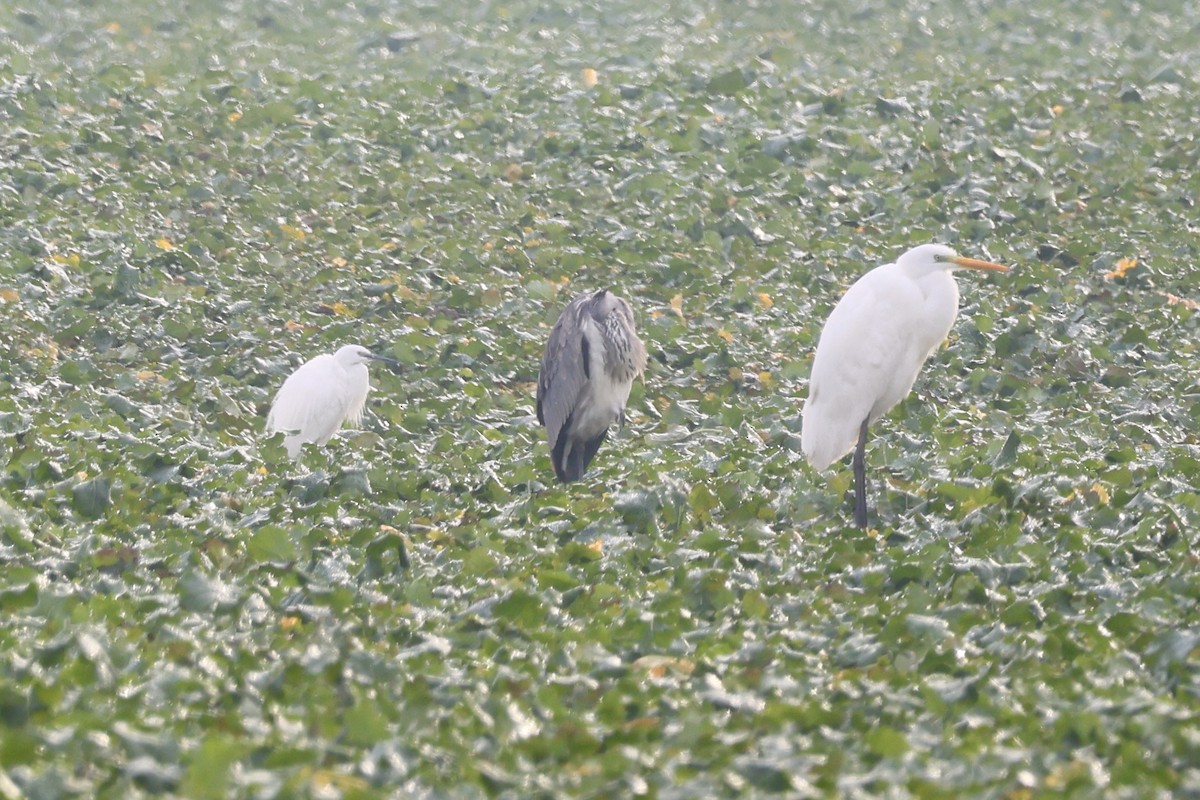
(322,394)
(591,360)
(871,349)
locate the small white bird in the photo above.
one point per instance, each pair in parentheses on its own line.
(592,358)
(871,349)
(322,394)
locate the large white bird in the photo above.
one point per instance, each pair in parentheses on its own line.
(323,393)
(591,360)
(871,349)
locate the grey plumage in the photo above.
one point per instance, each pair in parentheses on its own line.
(592,358)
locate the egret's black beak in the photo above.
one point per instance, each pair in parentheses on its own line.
(391,362)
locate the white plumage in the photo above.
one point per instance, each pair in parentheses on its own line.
(320,396)
(872,348)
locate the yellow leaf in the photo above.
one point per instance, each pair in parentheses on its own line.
(292,231)
(289,621)
(145,375)
(234,116)
(513,172)
(658,666)
(113,27)
(765,300)
(642,724)
(292,325)
(339,262)
(49,350)
(766,378)
(1176,300)
(322,779)
(164,243)
(389,246)
(589,77)
(9,296)
(735,374)
(1097,493)
(677,306)
(1056,110)
(263,471)
(454,279)
(1123,266)
(596,546)
(726,335)
(71,260)
(488,246)
(340,308)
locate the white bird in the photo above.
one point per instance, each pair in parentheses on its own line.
(322,394)
(871,349)
(592,358)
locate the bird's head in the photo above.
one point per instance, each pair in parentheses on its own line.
(604,303)
(355,354)
(928,258)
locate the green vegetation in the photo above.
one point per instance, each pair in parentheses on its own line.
(196,196)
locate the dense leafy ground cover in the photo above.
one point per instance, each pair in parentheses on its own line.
(196,196)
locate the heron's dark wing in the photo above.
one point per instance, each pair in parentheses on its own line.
(564,370)
(572,455)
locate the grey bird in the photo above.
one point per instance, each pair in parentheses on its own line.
(592,358)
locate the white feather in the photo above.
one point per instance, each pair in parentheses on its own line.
(873,346)
(319,397)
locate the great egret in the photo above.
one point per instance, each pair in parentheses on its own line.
(591,360)
(322,394)
(871,349)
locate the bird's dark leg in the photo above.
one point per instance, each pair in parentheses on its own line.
(860,478)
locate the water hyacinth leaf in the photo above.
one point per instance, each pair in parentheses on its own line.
(92,498)
(365,725)
(271,543)
(730,82)
(521,608)
(887,742)
(207,772)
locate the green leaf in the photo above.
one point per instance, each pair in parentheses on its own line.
(271,543)
(207,773)
(365,725)
(886,742)
(730,82)
(92,498)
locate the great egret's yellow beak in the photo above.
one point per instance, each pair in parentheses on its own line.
(974,263)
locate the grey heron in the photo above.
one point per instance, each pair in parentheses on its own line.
(317,398)
(592,358)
